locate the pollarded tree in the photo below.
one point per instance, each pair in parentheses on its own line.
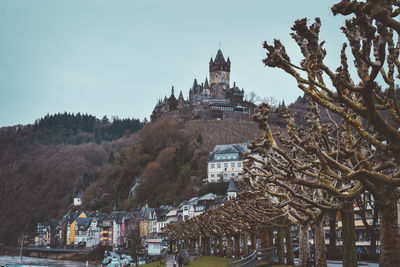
(300,162)
(369,106)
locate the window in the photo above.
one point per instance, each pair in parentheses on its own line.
(218,165)
(212,166)
(225,165)
(212,174)
(239,164)
(232,175)
(233,165)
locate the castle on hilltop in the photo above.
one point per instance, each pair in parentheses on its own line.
(208,100)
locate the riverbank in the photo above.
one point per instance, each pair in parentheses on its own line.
(42,262)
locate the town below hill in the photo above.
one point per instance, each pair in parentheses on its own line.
(117,164)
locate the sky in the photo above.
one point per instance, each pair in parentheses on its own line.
(117,58)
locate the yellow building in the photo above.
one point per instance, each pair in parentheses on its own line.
(71,232)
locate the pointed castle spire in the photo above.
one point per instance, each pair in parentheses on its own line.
(206,85)
(194,84)
(219,58)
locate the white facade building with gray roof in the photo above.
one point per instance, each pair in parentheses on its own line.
(225,162)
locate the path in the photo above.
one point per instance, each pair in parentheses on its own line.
(169,259)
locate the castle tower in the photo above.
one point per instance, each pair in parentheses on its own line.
(220,70)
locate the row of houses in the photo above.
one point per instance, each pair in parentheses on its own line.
(87,229)
(153,220)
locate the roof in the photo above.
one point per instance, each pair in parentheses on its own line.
(239,148)
(195,84)
(172,212)
(83,223)
(209,196)
(231,186)
(206,85)
(79,195)
(219,58)
(71,216)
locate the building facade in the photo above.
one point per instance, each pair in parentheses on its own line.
(225,162)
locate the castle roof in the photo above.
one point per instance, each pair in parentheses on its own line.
(206,85)
(219,58)
(195,84)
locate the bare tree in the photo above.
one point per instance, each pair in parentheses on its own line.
(133,235)
(298,161)
(371,111)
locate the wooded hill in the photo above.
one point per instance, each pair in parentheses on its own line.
(42,166)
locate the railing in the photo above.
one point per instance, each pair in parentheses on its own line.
(248,261)
(193,252)
(266,255)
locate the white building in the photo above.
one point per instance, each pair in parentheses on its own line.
(78,199)
(231,192)
(225,162)
(82,230)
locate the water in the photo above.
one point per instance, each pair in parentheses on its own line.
(13,261)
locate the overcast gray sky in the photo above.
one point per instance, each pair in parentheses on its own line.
(118,57)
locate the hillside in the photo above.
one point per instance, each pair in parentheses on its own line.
(42,168)
(169,161)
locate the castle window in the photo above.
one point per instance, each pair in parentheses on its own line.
(218,165)
(233,164)
(225,165)
(239,164)
(212,166)
(212,175)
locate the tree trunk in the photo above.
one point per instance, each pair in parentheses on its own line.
(220,249)
(237,245)
(215,245)
(270,235)
(245,247)
(332,235)
(289,246)
(304,250)
(320,256)
(228,246)
(254,239)
(186,244)
(263,238)
(281,249)
(390,243)
(208,246)
(349,236)
(373,233)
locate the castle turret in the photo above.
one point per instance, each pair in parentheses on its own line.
(195,85)
(206,85)
(220,70)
